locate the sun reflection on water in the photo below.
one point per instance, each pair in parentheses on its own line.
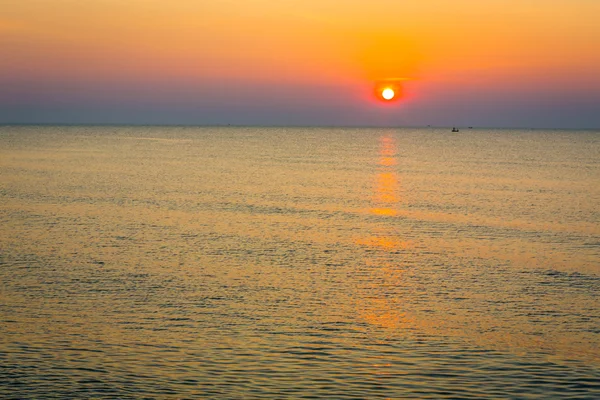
(386,196)
(384,307)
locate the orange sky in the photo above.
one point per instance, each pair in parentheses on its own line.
(528,47)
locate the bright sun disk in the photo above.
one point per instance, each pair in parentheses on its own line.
(388,93)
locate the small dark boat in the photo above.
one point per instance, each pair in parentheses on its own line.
(455,130)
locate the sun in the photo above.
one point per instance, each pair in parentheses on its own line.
(388,93)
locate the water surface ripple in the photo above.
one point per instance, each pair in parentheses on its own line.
(185,262)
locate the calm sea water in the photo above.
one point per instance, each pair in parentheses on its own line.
(180,262)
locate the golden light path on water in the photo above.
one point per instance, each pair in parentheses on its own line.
(386,311)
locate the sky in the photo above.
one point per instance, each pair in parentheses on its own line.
(492,63)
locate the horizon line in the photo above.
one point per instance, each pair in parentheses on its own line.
(225,125)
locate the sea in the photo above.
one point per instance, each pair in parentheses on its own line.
(299,263)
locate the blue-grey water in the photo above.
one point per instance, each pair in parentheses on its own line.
(216,262)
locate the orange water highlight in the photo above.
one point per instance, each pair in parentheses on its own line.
(386,196)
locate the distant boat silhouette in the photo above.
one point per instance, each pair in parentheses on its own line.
(455,130)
